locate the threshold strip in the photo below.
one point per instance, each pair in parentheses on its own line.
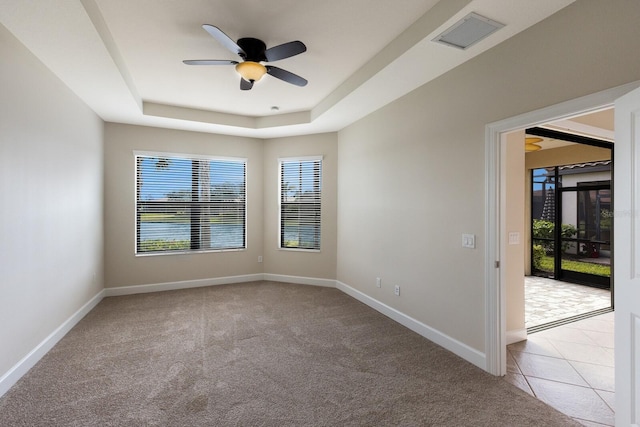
(567,320)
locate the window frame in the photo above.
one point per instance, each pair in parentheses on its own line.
(317,158)
(191,157)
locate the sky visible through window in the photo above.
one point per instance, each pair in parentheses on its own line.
(299,178)
(177,176)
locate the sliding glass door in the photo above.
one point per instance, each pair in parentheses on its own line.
(543,214)
(571,223)
(586,256)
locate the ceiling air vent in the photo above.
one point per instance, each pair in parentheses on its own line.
(468,31)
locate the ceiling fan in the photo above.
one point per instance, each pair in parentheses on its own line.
(253,52)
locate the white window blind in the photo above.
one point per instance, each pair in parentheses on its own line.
(300,203)
(189,203)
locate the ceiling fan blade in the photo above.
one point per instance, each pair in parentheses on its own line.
(245,85)
(286,76)
(286,50)
(224,40)
(209,62)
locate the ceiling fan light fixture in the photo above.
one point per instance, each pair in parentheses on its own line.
(251,71)
(530,144)
(252,52)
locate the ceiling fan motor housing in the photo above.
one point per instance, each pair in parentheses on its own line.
(254,48)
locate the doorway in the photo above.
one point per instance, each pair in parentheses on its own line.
(565,186)
(497,235)
(627,99)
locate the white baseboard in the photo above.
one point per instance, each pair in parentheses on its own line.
(22,367)
(464,351)
(172,286)
(327,283)
(516,335)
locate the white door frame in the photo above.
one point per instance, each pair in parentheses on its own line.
(495,300)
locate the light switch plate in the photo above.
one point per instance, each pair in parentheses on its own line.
(469,241)
(514,238)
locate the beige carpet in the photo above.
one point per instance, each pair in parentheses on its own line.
(258,354)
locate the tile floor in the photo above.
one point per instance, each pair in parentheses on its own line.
(548,300)
(570,367)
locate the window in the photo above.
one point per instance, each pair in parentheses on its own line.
(300,203)
(189,203)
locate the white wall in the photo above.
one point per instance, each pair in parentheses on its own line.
(573,179)
(411,175)
(316,265)
(51,165)
(122,266)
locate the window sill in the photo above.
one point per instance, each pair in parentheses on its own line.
(208,251)
(300,250)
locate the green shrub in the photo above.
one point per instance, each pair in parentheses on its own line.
(568,230)
(543,229)
(163,245)
(538,254)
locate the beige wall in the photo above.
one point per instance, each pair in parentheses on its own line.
(50,202)
(513,213)
(320,265)
(122,266)
(412,175)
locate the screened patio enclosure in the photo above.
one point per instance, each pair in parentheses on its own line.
(571,211)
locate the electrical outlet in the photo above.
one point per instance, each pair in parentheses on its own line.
(260,258)
(396,290)
(378,282)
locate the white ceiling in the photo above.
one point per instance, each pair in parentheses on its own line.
(123,58)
